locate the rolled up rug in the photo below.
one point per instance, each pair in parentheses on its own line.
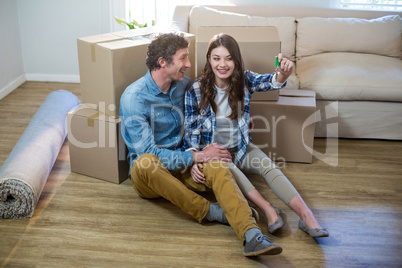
(25,171)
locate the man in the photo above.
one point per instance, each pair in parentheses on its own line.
(152,110)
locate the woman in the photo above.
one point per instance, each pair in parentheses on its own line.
(217,109)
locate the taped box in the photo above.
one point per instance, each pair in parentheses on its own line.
(108,63)
(259,45)
(284,129)
(97,148)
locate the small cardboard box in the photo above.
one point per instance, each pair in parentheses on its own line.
(271,95)
(284,129)
(97,148)
(108,63)
(258,44)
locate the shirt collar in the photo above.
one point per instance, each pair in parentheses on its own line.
(153,88)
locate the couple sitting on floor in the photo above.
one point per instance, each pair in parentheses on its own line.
(216,143)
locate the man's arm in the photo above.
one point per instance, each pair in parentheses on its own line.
(212,152)
(136,125)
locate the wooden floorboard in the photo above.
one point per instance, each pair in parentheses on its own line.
(85,222)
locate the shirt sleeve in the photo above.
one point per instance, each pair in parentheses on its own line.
(261,82)
(140,139)
(275,83)
(192,133)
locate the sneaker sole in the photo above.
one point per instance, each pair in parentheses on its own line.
(271,250)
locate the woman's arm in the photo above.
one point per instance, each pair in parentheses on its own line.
(192,127)
(284,70)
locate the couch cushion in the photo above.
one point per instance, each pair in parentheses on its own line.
(351,76)
(204,16)
(380,36)
(292,82)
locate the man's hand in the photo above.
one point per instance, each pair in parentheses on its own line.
(196,174)
(212,151)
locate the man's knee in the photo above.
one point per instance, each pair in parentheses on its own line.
(143,173)
(146,164)
(216,170)
(216,164)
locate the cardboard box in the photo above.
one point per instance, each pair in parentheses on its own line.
(258,44)
(110,62)
(284,129)
(271,95)
(97,148)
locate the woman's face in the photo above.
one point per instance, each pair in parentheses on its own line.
(222,65)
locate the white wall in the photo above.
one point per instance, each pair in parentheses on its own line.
(11,64)
(39,37)
(49,32)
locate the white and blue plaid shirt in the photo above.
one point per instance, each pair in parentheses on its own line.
(200,127)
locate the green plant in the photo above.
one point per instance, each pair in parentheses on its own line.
(133,24)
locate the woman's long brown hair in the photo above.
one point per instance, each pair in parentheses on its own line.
(236,82)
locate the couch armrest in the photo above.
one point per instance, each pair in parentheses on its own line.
(180,18)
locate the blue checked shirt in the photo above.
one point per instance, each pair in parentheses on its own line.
(200,128)
(152,122)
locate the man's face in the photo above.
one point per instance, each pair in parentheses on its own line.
(180,63)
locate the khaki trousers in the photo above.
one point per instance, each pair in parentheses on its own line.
(151,179)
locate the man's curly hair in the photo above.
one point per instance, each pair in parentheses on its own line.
(164,45)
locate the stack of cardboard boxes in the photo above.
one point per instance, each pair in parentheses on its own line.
(110,62)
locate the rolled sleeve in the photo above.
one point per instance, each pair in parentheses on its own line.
(261,82)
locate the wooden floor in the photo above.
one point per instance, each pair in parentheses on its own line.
(85,222)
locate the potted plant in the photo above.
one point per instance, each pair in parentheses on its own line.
(133,24)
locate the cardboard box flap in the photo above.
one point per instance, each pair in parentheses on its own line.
(115,40)
(296,93)
(270,95)
(93,114)
(100,38)
(147,32)
(299,102)
(120,44)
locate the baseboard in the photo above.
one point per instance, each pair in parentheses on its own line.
(53,78)
(11,86)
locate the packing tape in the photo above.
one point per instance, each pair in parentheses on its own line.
(91,119)
(131,38)
(93,57)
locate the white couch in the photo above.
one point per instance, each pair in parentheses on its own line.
(351,59)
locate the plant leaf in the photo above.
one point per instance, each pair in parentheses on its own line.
(121,21)
(137,24)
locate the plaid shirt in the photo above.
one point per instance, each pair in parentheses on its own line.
(200,127)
